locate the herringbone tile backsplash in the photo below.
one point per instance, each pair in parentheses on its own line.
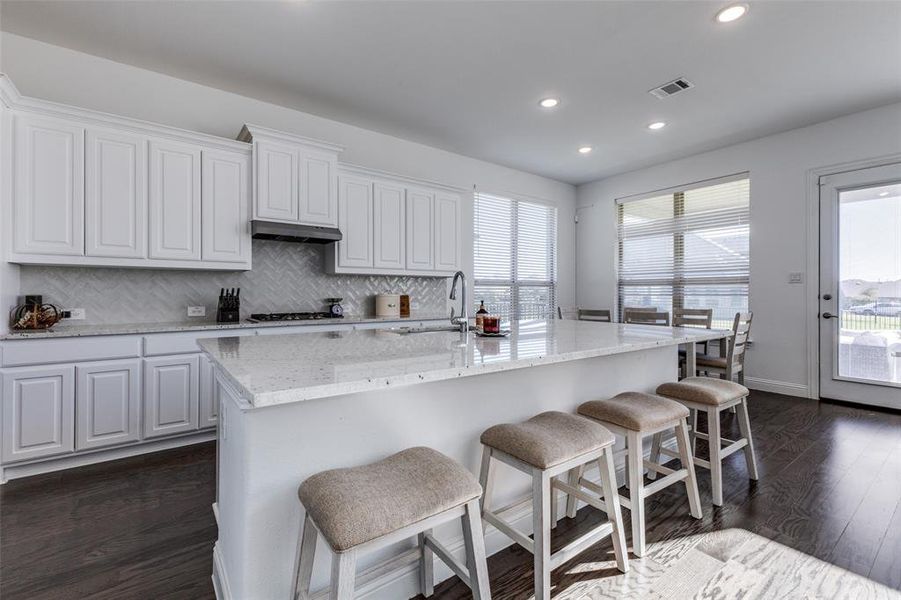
(285,277)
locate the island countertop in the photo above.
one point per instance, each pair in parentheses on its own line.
(279,369)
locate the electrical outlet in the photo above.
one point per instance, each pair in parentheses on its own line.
(197,311)
(795,278)
(74,314)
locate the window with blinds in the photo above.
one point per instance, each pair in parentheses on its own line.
(687,249)
(515,263)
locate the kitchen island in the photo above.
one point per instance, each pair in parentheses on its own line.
(294,405)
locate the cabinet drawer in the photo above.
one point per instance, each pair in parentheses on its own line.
(78,349)
(162,344)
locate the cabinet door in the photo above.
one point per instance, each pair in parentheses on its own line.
(171,394)
(447,232)
(48,187)
(209,394)
(225,216)
(115,194)
(420,224)
(38,412)
(276,179)
(174,201)
(355,222)
(107,403)
(318,189)
(390,227)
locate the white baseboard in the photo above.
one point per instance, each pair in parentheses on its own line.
(778,387)
(398,577)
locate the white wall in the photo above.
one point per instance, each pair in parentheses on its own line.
(58,74)
(779,167)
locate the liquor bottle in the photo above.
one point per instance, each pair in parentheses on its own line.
(480,316)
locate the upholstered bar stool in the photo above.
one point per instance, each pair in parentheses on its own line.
(543,447)
(635,416)
(367,507)
(713,396)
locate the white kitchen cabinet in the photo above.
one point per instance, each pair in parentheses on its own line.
(175,201)
(209,394)
(389,224)
(225,191)
(107,403)
(38,412)
(355,221)
(115,194)
(276,176)
(171,394)
(318,189)
(420,228)
(447,231)
(48,186)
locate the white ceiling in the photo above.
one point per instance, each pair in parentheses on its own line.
(467,76)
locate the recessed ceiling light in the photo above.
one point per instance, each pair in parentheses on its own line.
(657,125)
(549,102)
(883,194)
(585,149)
(732,13)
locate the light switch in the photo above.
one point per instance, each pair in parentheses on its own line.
(795,278)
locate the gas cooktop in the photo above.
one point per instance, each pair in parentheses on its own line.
(291,316)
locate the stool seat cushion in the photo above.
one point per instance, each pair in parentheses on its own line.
(358,504)
(704,360)
(703,390)
(636,411)
(548,439)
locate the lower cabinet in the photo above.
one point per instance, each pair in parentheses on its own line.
(171,394)
(38,412)
(107,403)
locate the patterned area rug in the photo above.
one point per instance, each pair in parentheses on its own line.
(728,564)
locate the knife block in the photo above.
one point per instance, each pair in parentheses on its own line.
(229,309)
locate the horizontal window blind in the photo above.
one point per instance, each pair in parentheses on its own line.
(515,262)
(687,249)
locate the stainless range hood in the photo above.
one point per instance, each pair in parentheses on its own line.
(289,232)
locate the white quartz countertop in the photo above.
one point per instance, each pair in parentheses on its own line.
(60,330)
(279,369)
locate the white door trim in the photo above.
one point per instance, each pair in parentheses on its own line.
(812,285)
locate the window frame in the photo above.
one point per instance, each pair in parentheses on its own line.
(514,283)
(678,197)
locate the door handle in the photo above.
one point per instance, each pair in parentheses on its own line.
(828,315)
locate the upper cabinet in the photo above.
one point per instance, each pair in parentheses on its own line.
(394,225)
(115,194)
(295,178)
(174,201)
(48,188)
(91,189)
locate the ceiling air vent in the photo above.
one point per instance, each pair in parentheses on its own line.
(673,87)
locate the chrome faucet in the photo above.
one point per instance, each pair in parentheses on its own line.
(463,319)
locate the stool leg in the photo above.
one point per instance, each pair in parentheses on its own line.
(636,491)
(541,533)
(485,478)
(744,424)
(688,463)
(303,565)
(572,503)
(694,431)
(344,566)
(716,461)
(614,513)
(554,507)
(656,442)
(476,561)
(426,566)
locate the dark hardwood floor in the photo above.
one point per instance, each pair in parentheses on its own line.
(830,486)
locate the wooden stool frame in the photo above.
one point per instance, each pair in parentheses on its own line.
(718,452)
(544,492)
(635,467)
(343,579)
